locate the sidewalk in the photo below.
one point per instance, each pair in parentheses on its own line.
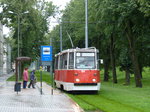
(30,100)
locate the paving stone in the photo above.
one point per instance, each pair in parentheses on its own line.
(30,100)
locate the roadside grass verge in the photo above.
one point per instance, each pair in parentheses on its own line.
(117,97)
(12,78)
(46,77)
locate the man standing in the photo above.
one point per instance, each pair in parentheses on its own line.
(32,78)
(25,78)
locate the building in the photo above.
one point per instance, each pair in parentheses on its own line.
(4,58)
(1,48)
(8,60)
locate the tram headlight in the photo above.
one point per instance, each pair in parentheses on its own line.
(94,80)
(77,80)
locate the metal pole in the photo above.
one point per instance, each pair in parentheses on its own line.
(52,77)
(51,70)
(60,37)
(86,23)
(41,80)
(18,32)
(18,45)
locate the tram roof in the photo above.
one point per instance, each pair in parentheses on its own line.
(90,49)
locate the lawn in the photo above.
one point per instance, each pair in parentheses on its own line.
(117,97)
(113,97)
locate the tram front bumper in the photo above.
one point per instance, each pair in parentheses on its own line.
(82,87)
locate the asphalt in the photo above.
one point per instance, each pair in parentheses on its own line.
(31,100)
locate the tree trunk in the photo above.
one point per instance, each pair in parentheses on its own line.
(113,59)
(136,69)
(127,77)
(141,68)
(106,68)
(131,40)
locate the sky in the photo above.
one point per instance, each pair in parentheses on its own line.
(59,3)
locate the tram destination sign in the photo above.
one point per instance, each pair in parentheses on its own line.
(46,55)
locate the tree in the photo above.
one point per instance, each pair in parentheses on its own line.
(119,29)
(33,26)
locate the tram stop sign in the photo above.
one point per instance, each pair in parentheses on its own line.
(46,55)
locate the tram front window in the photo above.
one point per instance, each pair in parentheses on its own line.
(85,61)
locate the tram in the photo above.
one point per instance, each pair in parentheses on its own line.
(77,69)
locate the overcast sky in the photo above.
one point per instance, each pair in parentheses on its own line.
(59,3)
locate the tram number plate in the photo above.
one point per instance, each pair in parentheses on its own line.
(82,71)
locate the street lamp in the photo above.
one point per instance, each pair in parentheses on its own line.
(18,15)
(86,23)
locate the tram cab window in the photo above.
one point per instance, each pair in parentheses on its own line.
(71,60)
(85,61)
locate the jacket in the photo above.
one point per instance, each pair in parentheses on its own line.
(32,77)
(25,75)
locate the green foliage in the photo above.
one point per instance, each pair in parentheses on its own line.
(145,7)
(33,25)
(124,59)
(127,21)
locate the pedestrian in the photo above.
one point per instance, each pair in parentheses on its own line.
(25,78)
(32,79)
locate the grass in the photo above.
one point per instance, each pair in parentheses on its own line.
(113,97)
(117,97)
(46,77)
(12,78)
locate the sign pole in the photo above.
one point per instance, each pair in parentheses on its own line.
(51,70)
(52,77)
(46,60)
(41,79)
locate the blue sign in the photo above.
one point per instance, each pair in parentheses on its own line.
(46,53)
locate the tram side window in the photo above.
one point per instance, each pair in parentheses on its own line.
(61,62)
(64,65)
(56,62)
(71,60)
(98,61)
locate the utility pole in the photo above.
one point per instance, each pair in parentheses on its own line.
(51,70)
(60,37)
(86,23)
(18,32)
(18,16)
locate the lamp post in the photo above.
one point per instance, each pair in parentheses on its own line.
(86,23)
(18,16)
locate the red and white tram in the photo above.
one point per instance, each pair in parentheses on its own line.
(77,69)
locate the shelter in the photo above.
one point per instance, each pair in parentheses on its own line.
(19,60)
